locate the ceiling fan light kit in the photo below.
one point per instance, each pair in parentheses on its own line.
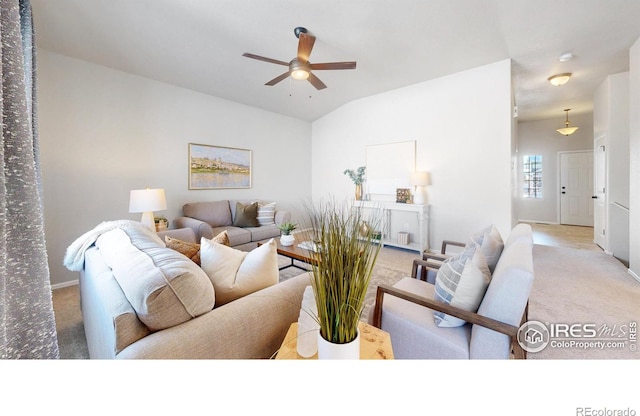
(559,79)
(566,130)
(299,67)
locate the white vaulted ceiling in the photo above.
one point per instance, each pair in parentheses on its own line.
(198,44)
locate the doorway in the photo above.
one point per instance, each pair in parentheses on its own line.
(599,197)
(576,188)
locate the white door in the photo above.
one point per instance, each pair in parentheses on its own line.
(576,188)
(599,189)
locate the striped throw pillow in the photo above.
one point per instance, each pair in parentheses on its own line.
(461,281)
(267,214)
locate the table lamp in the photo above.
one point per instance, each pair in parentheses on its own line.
(420,179)
(147,201)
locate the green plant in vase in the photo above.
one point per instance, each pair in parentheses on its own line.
(357,177)
(342,272)
(286,239)
(161,223)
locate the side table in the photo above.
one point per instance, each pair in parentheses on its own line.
(375,344)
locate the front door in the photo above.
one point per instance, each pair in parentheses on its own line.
(576,188)
(599,197)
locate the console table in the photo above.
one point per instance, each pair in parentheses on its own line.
(396,217)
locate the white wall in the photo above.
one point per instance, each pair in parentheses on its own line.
(105,132)
(462,126)
(634,174)
(541,138)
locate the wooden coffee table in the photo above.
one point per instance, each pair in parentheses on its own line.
(375,344)
(294,253)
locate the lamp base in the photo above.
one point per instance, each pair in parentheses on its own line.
(420,196)
(147,220)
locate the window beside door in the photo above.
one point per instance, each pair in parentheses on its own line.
(532,176)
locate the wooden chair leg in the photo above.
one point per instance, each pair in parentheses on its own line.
(377,309)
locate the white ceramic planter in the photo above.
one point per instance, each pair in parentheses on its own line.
(287,240)
(330,351)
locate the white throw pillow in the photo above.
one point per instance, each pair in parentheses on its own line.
(267,214)
(491,244)
(461,281)
(235,273)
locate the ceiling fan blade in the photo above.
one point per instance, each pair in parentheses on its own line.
(305,44)
(315,81)
(333,65)
(278,79)
(262,58)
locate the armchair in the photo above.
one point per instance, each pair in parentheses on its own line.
(444,252)
(405,310)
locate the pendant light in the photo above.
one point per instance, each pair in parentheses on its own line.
(567,130)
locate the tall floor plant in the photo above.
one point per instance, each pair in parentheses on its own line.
(345,260)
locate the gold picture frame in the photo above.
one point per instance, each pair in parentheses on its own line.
(403,195)
(219,167)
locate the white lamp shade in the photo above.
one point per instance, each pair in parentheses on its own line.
(145,200)
(420,178)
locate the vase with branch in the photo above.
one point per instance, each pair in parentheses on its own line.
(342,272)
(357,177)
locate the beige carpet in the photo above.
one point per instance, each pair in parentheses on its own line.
(571,286)
(584,287)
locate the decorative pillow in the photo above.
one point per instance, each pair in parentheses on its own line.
(235,273)
(246,215)
(267,214)
(192,250)
(462,281)
(163,287)
(490,243)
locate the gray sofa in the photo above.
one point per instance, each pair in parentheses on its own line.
(252,326)
(208,219)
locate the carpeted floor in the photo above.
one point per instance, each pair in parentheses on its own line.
(584,287)
(571,286)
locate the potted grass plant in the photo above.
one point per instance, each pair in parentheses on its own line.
(341,274)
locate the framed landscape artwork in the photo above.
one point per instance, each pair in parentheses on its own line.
(217,167)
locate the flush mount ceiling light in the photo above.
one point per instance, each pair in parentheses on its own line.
(566,131)
(559,79)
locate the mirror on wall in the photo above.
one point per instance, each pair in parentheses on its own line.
(389,167)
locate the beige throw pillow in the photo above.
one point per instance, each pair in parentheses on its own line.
(235,273)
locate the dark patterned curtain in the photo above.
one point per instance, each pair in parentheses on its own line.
(27,322)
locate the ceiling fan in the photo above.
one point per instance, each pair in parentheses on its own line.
(299,67)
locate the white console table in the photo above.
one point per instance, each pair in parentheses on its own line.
(395,218)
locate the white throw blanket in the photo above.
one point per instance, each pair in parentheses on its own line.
(74,256)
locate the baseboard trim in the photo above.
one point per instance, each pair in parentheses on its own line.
(539,222)
(64,284)
(634,275)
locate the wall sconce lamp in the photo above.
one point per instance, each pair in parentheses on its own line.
(420,179)
(147,201)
